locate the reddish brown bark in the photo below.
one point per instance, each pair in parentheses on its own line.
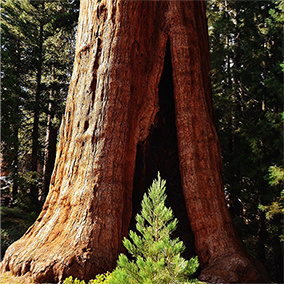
(111,108)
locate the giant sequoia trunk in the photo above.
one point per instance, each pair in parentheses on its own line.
(120,108)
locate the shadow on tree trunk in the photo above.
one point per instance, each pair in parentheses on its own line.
(159,152)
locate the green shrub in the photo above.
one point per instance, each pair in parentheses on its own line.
(157,257)
(14,223)
(70,280)
(100,279)
(12,212)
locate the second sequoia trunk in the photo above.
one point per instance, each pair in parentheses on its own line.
(115,108)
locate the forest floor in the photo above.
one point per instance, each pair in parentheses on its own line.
(9,278)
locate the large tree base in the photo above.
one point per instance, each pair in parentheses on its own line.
(231,269)
(52,250)
(45,268)
(234,269)
(53,268)
(9,278)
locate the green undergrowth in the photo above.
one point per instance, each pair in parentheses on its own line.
(100,279)
(105,279)
(14,223)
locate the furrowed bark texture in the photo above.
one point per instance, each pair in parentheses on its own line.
(111,108)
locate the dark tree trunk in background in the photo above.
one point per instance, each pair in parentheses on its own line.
(15,165)
(15,125)
(140,91)
(49,158)
(34,188)
(50,147)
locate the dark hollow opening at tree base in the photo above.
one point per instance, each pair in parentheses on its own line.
(160,153)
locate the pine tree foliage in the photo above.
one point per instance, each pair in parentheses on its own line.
(246,39)
(37,50)
(157,258)
(276,179)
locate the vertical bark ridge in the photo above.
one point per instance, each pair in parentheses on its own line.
(111,104)
(221,254)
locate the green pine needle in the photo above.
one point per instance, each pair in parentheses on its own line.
(157,257)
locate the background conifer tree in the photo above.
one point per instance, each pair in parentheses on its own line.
(157,257)
(37,51)
(246,39)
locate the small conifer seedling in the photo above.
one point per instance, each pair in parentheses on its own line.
(156,258)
